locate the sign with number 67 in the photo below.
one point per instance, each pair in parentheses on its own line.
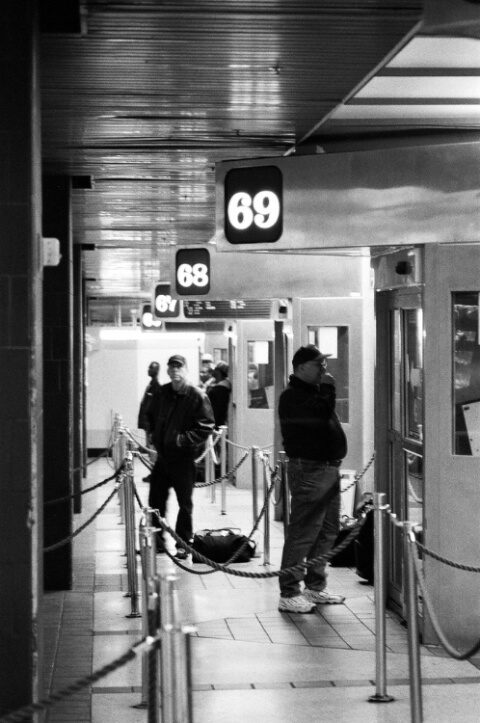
(192,271)
(164,304)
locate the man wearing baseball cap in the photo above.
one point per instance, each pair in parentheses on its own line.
(182,419)
(315,444)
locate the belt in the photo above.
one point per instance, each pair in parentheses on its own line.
(326,462)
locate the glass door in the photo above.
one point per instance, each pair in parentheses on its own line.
(405,425)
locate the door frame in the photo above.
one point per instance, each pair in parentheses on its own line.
(390,468)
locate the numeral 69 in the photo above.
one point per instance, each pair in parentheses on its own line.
(263,210)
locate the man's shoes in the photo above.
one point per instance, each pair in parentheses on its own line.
(147,478)
(323,597)
(181,554)
(296,604)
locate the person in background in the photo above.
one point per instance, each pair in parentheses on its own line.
(181,418)
(206,372)
(315,444)
(153,372)
(219,395)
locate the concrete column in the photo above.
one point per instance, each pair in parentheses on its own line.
(21,537)
(58,384)
(78,378)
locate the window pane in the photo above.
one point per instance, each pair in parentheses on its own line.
(414,373)
(466,374)
(333,340)
(395,375)
(260,374)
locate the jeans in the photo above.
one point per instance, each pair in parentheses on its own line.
(179,474)
(314,523)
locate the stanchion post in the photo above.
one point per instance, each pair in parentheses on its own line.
(255,483)
(146,576)
(154,661)
(122,449)
(176,657)
(285,491)
(211,467)
(266,517)
(379,507)
(223,468)
(167,583)
(148,560)
(416,707)
(130,537)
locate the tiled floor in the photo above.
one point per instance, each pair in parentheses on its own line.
(250,663)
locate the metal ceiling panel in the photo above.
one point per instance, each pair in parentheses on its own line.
(152,93)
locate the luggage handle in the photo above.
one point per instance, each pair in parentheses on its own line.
(221,532)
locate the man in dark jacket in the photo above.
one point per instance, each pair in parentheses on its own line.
(315,444)
(181,418)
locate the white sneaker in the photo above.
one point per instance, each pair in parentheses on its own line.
(296,604)
(323,597)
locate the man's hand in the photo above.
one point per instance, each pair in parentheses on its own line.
(327,379)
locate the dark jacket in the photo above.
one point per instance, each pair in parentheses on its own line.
(219,395)
(310,427)
(181,421)
(142,412)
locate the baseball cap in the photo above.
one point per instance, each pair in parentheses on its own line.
(308,353)
(177,359)
(222,366)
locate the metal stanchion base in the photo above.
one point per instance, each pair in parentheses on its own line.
(134,615)
(140,706)
(380,698)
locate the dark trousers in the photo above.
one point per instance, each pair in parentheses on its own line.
(314,523)
(179,475)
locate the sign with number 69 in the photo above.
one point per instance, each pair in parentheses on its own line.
(192,271)
(253,205)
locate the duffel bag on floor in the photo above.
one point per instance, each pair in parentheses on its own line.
(223,545)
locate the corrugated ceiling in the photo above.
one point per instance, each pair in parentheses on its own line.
(152,93)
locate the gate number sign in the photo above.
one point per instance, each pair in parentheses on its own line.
(253,205)
(164,305)
(192,271)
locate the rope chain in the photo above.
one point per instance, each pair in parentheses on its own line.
(80,529)
(352,535)
(89,489)
(23,714)
(228,474)
(237,553)
(453,652)
(451,563)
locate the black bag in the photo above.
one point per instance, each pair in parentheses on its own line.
(222,545)
(346,557)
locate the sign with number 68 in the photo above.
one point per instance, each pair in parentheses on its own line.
(192,271)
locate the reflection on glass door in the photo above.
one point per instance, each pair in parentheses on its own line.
(413,433)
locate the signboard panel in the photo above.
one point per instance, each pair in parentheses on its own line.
(165,306)
(192,272)
(254,275)
(389,197)
(253,205)
(148,321)
(232,309)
